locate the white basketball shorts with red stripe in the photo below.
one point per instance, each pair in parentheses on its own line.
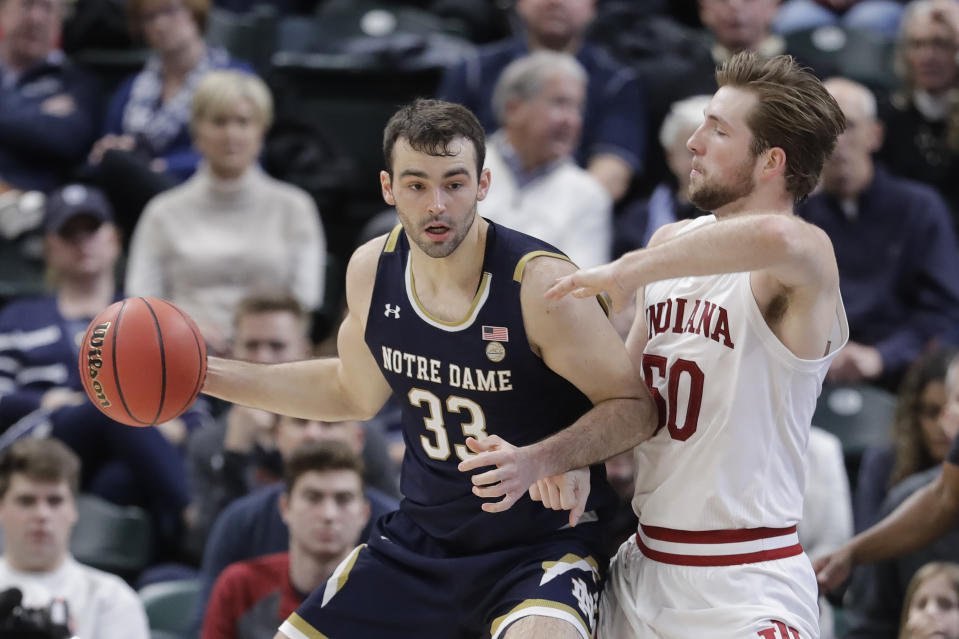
(729,584)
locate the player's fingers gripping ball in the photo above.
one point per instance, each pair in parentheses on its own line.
(142,361)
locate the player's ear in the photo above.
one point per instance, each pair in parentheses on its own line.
(386,187)
(284,506)
(484,181)
(775,162)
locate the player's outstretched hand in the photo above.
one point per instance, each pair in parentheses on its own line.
(593,281)
(568,491)
(833,569)
(511,477)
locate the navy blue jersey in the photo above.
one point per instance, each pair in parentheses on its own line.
(478,377)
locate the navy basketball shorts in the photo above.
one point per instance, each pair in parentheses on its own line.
(401,584)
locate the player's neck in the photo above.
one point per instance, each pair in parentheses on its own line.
(757,202)
(85,296)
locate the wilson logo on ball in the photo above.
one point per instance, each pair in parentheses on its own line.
(142,361)
(95,360)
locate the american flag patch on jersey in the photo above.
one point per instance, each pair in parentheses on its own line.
(496,333)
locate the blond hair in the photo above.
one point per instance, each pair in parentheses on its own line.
(927,572)
(218,90)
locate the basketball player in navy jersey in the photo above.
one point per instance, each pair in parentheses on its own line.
(448,313)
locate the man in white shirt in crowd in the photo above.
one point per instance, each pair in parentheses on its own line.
(39,479)
(539,189)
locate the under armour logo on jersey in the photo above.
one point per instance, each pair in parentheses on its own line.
(392,310)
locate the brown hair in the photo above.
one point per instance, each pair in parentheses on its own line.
(794,112)
(199,9)
(272,302)
(927,572)
(320,456)
(912,455)
(47,460)
(430,126)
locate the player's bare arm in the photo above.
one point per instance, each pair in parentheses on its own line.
(928,514)
(349,386)
(575,339)
(792,265)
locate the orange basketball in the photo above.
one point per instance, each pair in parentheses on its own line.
(142,361)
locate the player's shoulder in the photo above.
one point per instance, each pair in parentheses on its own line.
(363,262)
(667,232)
(540,270)
(361,270)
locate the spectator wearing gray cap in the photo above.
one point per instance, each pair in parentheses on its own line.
(39,380)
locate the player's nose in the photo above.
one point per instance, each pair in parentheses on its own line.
(694,143)
(437,204)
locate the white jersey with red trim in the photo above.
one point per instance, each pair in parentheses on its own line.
(735,408)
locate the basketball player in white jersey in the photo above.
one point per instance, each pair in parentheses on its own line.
(738,318)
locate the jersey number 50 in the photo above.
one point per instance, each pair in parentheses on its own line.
(440,449)
(667,414)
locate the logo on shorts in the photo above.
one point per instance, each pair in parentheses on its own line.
(779,630)
(588,601)
(553,569)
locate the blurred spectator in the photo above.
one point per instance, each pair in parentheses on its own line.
(897,256)
(244,449)
(537,188)
(918,525)
(920,439)
(230,228)
(146,145)
(669,201)
(39,480)
(324,508)
(611,145)
(877,592)
(827,508)
(931,606)
(922,121)
(232,456)
(878,16)
(252,527)
(48,108)
(40,383)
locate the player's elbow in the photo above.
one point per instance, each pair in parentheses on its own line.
(647,417)
(798,245)
(782,236)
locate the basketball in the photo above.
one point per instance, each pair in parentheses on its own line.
(142,361)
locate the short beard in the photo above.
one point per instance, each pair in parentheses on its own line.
(447,248)
(710,196)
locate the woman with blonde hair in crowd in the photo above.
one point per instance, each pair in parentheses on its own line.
(931,606)
(229,228)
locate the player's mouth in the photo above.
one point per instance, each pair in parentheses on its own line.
(437,231)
